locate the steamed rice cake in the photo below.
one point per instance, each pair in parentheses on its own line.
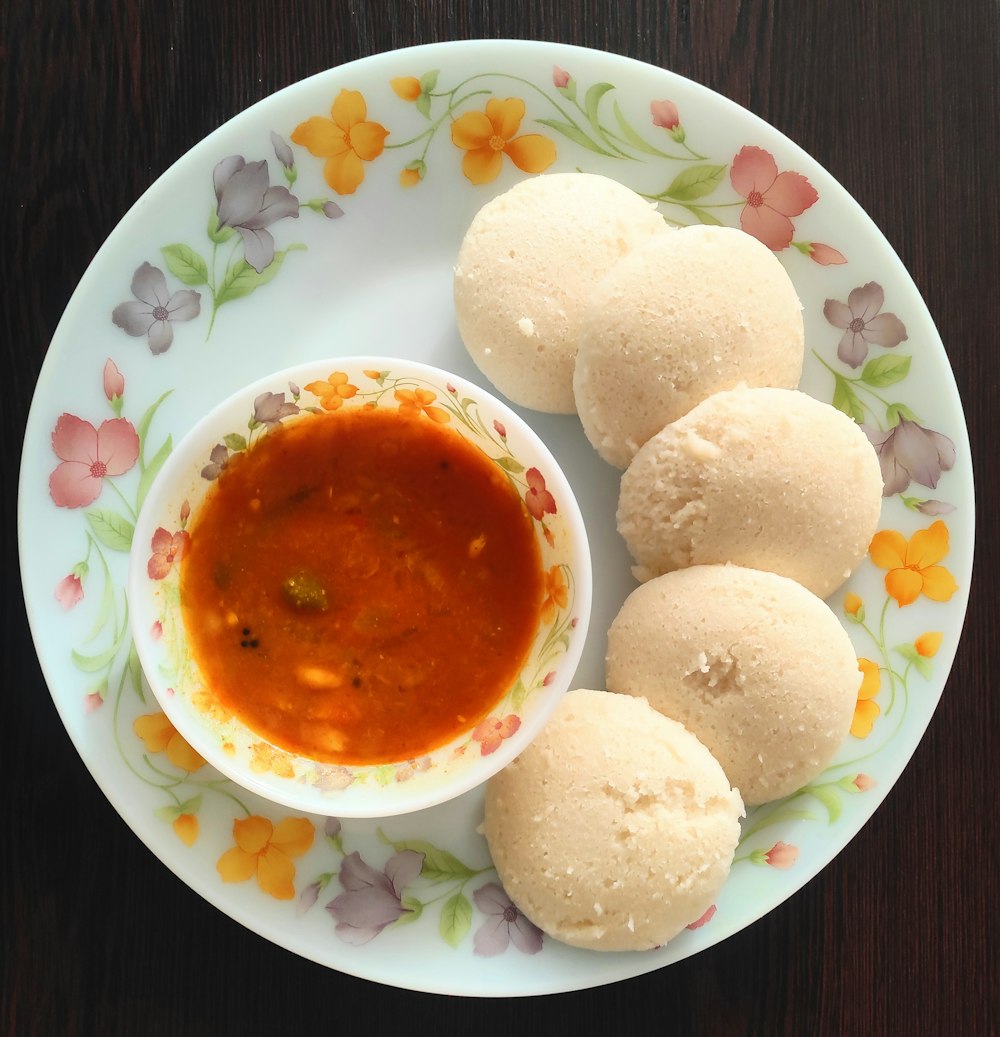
(615,828)
(756,666)
(526,267)
(766,478)
(682,316)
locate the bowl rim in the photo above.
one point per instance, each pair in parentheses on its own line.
(408,797)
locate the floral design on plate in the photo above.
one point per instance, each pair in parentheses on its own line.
(247,206)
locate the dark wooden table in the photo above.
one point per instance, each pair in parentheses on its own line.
(898,100)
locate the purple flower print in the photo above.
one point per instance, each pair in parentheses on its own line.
(863,323)
(504,924)
(308,897)
(217,461)
(372,899)
(270,407)
(282,151)
(249,204)
(155,308)
(935,507)
(910,451)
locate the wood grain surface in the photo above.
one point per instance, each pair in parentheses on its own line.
(898,99)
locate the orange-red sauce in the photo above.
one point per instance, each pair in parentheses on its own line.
(360,586)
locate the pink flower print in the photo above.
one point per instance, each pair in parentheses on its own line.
(88,455)
(703,920)
(167,549)
(665,114)
(500,428)
(772,197)
(372,899)
(781,855)
(864,782)
(504,925)
(910,451)
(825,255)
(491,731)
(92,701)
(114,382)
(863,323)
(537,498)
(560,77)
(155,308)
(69,590)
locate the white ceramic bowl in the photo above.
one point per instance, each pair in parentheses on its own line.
(393,786)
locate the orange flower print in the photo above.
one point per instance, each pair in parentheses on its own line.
(266,851)
(414,402)
(866,709)
(486,137)
(266,759)
(406,87)
(492,730)
(186,828)
(912,564)
(346,140)
(159,735)
(853,605)
(556,593)
(167,548)
(333,391)
(927,645)
(409,177)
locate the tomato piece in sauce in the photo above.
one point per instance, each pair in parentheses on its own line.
(361,586)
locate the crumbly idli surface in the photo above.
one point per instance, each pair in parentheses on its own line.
(682,316)
(756,666)
(765,478)
(527,266)
(615,828)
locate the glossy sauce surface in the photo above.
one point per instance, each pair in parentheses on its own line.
(361,586)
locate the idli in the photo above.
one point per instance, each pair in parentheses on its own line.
(680,317)
(615,828)
(753,664)
(526,267)
(766,478)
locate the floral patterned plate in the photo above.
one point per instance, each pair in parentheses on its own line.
(325,222)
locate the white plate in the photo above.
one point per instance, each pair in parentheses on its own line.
(378,279)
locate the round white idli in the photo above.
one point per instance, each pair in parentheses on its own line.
(615,828)
(766,478)
(528,264)
(682,316)
(756,666)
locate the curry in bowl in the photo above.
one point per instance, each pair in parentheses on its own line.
(380,588)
